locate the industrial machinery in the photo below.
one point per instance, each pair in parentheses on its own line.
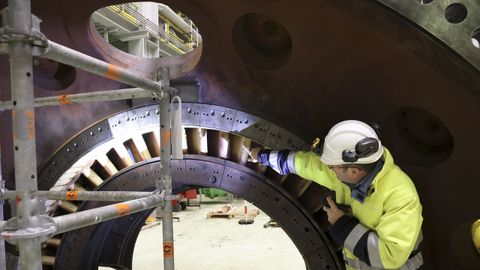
(268,73)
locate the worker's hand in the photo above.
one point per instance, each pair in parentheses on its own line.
(254,154)
(333,212)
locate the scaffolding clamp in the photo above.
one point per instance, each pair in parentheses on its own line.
(162,78)
(172,197)
(7,34)
(2,190)
(161,94)
(45,229)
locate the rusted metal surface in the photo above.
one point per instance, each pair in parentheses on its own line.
(348,59)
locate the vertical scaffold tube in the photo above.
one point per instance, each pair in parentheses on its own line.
(166,179)
(3,262)
(23,121)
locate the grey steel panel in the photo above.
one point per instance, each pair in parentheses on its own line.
(250,126)
(132,122)
(199,172)
(280,138)
(116,123)
(275,138)
(217,117)
(191,114)
(148,117)
(178,171)
(239,182)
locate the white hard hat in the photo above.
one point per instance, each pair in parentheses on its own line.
(351,142)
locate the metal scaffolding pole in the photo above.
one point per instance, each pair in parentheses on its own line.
(166,178)
(23,118)
(32,225)
(67,56)
(97,96)
(105,196)
(93,216)
(52,226)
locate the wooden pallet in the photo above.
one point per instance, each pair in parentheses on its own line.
(227,211)
(252,212)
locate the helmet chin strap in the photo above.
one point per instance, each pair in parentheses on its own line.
(360,189)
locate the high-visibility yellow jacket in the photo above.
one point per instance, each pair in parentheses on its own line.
(384,229)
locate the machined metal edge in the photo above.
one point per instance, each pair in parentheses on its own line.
(432,17)
(136,120)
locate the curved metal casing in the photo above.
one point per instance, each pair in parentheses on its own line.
(306,66)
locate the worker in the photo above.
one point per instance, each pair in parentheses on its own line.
(382,229)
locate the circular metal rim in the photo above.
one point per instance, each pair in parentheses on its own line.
(204,116)
(196,171)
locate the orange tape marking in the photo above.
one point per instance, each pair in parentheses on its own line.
(167,249)
(122,209)
(166,138)
(72,195)
(64,99)
(113,72)
(31,124)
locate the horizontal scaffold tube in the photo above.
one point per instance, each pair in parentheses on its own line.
(106,196)
(93,216)
(98,96)
(76,59)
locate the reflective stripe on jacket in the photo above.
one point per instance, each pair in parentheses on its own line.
(413,263)
(386,226)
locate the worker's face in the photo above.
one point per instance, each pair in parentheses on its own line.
(350,175)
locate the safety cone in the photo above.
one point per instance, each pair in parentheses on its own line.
(245,220)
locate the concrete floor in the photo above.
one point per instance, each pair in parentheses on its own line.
(218,243)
